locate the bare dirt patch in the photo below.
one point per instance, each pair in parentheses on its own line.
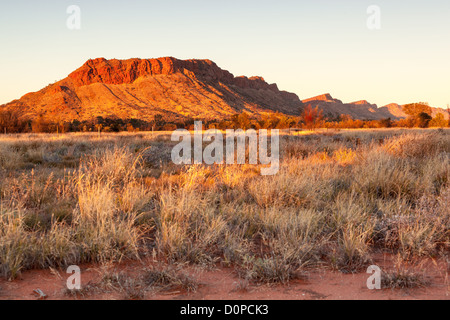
(224,284)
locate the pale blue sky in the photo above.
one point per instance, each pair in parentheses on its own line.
(306,47)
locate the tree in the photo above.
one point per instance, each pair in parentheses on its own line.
(385,123)
(98,128)
(311,117)
(283,123)
(39,125)
(159,121)
(244,121)
(59,124)
(423,120)
(448,111)
(419,114)
(414,109)
(241,121)
(10,121)
(439,121)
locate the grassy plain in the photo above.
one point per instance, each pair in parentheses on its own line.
(338,199)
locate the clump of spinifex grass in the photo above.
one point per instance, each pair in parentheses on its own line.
(22,249)
(169,278)
(269,270)
(136,286)
(404,275)
(131,287)
(402,279)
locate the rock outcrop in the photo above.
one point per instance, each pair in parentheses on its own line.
(333,108)
(127,71)
(142,88)
(324,98)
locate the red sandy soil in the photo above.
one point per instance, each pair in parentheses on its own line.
(222,284)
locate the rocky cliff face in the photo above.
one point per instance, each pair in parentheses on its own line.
(322,98)
(142,88)
(127,71)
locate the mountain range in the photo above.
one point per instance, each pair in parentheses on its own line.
(176,89)
(362,110)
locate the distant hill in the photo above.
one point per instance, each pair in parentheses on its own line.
(362,110)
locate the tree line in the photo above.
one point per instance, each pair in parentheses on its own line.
(419,115)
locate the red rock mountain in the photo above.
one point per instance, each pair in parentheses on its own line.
(357,110)
(363,109)
(142,88)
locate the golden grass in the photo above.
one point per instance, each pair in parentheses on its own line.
(338,198)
